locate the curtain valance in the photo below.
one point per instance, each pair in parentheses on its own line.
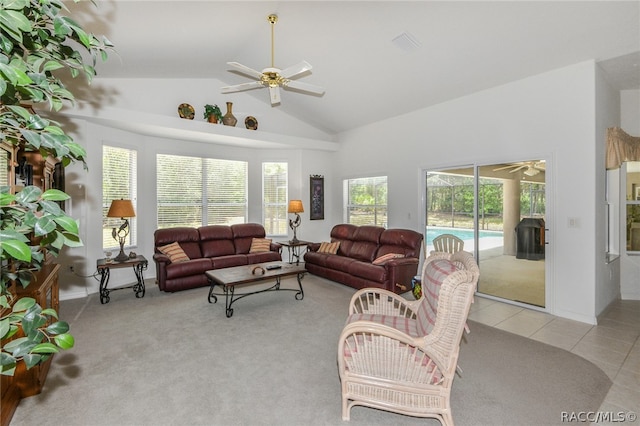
(621,147)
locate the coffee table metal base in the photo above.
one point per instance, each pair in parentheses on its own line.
(230,295)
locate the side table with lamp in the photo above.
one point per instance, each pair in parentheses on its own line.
(124,210)
(294,245)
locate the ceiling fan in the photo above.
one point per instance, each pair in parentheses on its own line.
(274,78)
(532,168)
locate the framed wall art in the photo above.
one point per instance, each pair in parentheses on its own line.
(316,188)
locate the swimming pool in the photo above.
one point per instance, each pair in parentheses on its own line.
(488,239)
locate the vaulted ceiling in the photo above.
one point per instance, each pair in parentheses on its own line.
(451,48)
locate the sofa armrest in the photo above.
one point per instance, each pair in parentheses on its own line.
(313,246)
(401,271)
(161,258)
(276,247)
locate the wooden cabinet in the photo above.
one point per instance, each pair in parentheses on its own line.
(45,290)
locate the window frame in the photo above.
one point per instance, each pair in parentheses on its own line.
(377,206)
(131,189)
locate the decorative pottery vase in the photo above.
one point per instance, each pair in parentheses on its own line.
(228,119)
(212,119)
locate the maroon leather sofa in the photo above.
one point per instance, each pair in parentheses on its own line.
(359,247)
(208,247)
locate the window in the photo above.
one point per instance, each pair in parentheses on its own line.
(274,198)
(632,196)
(366,201)
(195,191)
(119,180)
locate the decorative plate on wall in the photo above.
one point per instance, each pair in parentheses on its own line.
(186,111)
(251,123)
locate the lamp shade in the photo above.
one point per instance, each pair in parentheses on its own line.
(295,206)
(121,208)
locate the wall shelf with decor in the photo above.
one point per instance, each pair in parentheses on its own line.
(198,131)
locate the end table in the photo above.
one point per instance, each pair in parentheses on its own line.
(294,249)
(138,263)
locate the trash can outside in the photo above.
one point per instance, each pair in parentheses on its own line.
(530,239)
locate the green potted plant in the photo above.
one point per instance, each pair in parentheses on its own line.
(36,42)
(212,113)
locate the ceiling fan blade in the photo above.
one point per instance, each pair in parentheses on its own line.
(524,166)
(505,167)
(241,87)
(305,87)
(245,70)
(296,69)
(274,93)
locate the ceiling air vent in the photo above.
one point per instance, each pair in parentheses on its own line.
(406,42)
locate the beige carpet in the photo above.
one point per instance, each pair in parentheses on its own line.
(175,359)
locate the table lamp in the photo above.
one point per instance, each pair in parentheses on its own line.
(124,210)
(295,206)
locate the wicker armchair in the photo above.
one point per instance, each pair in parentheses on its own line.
(447,243)
(401,356)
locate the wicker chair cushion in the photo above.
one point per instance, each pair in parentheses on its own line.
(406,325)
(435,273)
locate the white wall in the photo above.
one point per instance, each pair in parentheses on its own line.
(551,115)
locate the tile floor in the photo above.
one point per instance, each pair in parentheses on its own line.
(613,344)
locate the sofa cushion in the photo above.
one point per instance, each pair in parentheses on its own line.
(344,234)
(188,238)
(381,260)
(329,248)
(265,256)
(216,240)
(228,261)
(368,271)
(174,252)
(340,263)
(260,245)
(435,273)
(190,267)
(243,235)
(365,243)
(405,241)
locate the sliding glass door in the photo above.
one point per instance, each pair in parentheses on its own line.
(498,211)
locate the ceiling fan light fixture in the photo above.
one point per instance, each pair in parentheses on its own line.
(274,78)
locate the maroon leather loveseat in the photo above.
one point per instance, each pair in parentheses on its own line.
(208,247)
(359,248)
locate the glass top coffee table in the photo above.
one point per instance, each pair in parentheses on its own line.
(229,278)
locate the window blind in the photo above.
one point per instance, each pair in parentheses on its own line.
(274,198)
(194,191)
(119,181)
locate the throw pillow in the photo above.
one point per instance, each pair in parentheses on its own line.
(260,245)
(329,248)
(386,257)
(174,252)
